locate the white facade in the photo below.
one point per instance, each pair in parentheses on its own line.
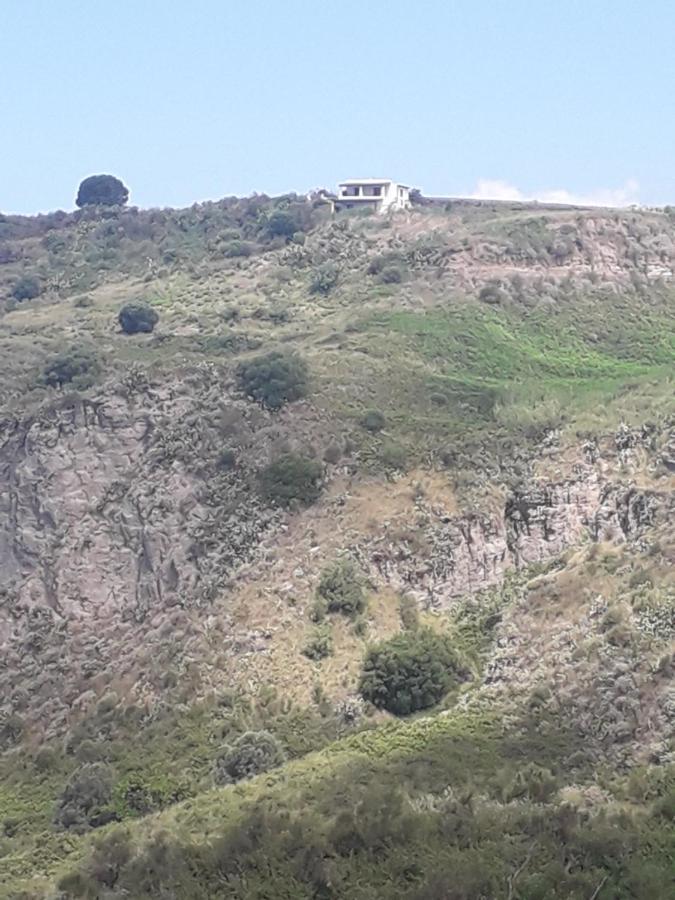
(381,194)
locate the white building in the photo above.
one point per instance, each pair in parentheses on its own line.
(380,194)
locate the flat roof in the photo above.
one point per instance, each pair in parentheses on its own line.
(366,181)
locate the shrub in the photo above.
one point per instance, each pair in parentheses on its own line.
(411,671)
(137,317)
(409,612)
(393,456)
(82,801)
(26,288)
(227,459)
(319,645)
(341,587)
(78,366)
(492,293)
(324,278)
(236,248)
(281,223)
(373,420)
(252,753)
(392,260)
(103,190)
(391,275)
(274,379)
(291,478)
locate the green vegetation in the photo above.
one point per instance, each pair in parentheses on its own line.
(252,753)
(507,791)
(319,645)
(274,379)
(324,279)
(341,588)
(137,318)
(85,798)
(26,288)
(102,190)
(291,478)
(411,671)
(78,366)
(373,420)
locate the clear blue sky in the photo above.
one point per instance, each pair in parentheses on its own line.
(193,99)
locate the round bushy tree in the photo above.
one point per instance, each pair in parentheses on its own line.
(291,478)
(274,379)
(252,752)
(26,288)
(341,587)
(87,791)
(102,190)
(138,317)
(411,671)
(78,365)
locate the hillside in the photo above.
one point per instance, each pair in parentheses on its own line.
(396,493)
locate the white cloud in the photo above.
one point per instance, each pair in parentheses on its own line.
(626,195)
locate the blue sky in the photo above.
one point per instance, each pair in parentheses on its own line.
(187,101)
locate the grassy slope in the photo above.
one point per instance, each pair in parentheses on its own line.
(447,370)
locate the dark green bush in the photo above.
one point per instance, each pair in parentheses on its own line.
(373,420)
(291,478)
(274,379)
(26,288)
(319,645)
(84,798)
(227,459)
(391,275)
(78,366)
(281,223)
(492,293)
(236,248)
(324,278)
(102,190)
(253,752)
(137,318)
(393,456)
(341,587)
(411,671)
(391,260)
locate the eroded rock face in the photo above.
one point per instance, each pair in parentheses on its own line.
(467,554)
(114,514)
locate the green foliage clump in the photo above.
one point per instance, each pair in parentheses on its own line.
(137,318)
(492,293)
(324,278)
(319,645)
(409,613)
(373,420)
(102,190)
(137,795)
(252,753)
(393,456)
(291,478)
(341,588)
(281,223)
(387,261)
(237,248)
(84,799)
(411,671)
(26,288)
(78,366)
(227,459)
(391,275)
(274,379)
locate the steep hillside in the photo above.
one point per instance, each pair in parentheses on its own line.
(391,498)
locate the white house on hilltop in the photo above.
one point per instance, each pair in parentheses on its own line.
(380,194)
